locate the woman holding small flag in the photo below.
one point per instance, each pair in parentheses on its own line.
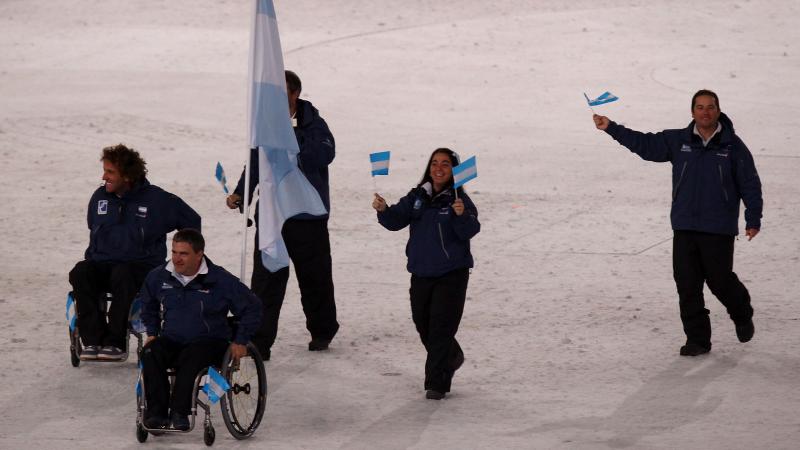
(442,220)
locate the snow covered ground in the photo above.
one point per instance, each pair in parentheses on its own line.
(571,330)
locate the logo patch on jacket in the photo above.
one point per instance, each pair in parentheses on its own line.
(102,207)
(166,286)
(686,148)
(142,212)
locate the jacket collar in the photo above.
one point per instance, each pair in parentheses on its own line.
(723,137)
(205,279)
(306,113)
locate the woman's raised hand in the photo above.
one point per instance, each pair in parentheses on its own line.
(379,203)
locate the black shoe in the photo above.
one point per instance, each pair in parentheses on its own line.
(156,421)
(692,349)
(745,330)
(179,421)
(434,395)
(317,345)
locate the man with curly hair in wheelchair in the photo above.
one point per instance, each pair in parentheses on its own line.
(128,219)
(185,305)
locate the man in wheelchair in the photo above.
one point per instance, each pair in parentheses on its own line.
(128,219)
(185,305)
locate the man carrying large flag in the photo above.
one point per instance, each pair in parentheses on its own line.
(294,197)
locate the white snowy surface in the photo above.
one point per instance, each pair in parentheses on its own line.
(571,328)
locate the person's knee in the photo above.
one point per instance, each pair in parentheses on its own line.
(79,272)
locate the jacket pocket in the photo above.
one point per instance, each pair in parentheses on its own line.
(722,185)
(678,183)
(441,241)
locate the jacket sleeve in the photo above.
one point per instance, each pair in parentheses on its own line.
(749,184)
(466,225)
(184,215)
(253,177)
(398,216)
(317,147)
(246,307)
(649,146)
(151,307)
(89,218)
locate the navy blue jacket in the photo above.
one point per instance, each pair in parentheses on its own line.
(317,150)
(438,239)
(199,310)
(134,227)
(707,182)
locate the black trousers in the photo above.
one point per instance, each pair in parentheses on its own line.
(90,280)
(188,360)
(309,247)
(437,304)
(699,258)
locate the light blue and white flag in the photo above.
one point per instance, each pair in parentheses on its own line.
(220,176)
(464,172)
(605,97)
(380,163)
(72,316)
(283,189)
(136,316)
(216,385)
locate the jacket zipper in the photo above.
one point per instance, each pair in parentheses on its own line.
(441,239)
(680,178)
(721,183)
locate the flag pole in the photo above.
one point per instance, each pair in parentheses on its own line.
(589,102)
(246,216)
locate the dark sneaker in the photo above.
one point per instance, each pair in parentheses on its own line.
(179,421)
(434,395)
(744,331)
(692,349)
(156,421)
(111,353)
(317,345)
(89,352)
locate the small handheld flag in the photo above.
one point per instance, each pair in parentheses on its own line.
(605,97)
(464,172)
(216,385)
(220,176)
(380,163)
(136,316)
(72,317)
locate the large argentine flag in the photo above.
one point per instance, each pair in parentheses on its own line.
(283,190)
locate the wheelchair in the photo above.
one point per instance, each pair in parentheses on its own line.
(135,328)
(242,405)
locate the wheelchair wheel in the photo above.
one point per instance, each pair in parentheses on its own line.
(74,345)
(209,435)
(141,433)
(244,404)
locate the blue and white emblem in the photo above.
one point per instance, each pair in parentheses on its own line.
(142,212)
(102,207)
(686,148)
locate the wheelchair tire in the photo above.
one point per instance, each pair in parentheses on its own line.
(141,433)
(209,435)
(74,357)
(244,404)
